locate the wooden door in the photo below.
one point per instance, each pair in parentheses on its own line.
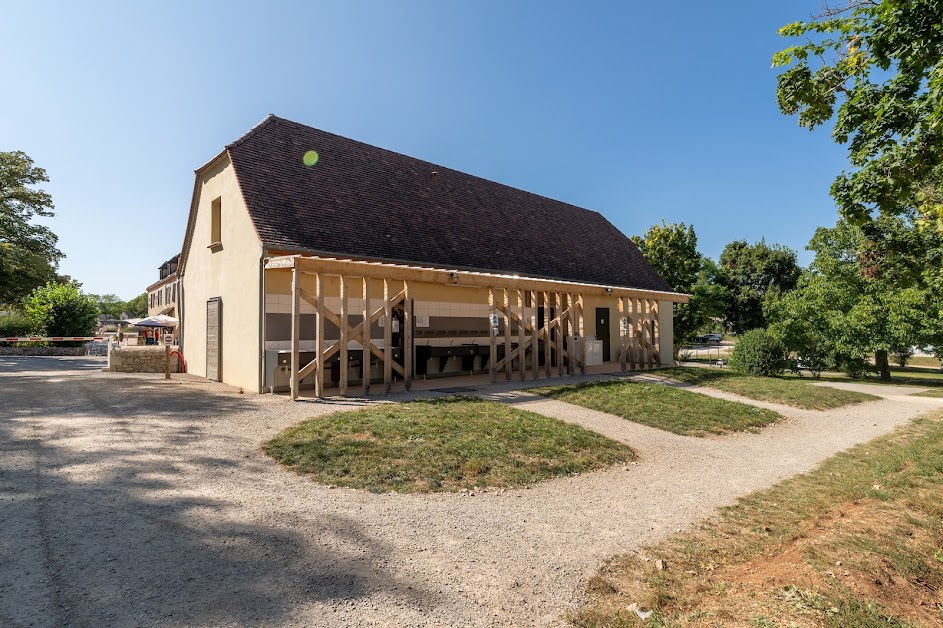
(214,339)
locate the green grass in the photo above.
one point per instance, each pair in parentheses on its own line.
(788,391)
(664,407)
(935,392)
(925,361)
(440,445)
(856,542)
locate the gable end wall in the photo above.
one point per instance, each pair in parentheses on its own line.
(232,273)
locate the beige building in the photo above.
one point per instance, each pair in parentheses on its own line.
(162,294)
(297,236)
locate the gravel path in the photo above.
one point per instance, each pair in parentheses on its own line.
(132,501)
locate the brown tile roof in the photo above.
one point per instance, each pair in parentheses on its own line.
(366,202)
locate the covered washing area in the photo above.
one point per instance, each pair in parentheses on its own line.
(344,322)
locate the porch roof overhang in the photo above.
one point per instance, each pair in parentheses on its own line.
(400,272)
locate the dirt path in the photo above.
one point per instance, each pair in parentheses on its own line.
(130,501)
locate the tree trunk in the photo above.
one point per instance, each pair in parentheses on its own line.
(880,360)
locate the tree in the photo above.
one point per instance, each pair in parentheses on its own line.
(878,65)
(109,304)
(137,307)
(754,276)
(60,309)
(671,249)
(28,253)
(852,303)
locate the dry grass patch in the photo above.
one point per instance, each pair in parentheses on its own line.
(787,391)
(441,445)
(664,407)
(857,542)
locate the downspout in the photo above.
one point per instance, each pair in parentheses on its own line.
(262,319)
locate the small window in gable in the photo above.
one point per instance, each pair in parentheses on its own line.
(216,230)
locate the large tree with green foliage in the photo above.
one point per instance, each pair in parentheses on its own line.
(671,249)
(61,309)
(109,304)
(856,300)
(878,65)
(137,307)
(28,253)
(753,276)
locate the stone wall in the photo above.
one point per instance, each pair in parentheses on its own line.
(61,351)
(147,359)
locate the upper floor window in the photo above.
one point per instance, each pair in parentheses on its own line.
(216,228)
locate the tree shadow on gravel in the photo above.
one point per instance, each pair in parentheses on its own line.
(90,535)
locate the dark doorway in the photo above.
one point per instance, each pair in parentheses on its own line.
(602,331)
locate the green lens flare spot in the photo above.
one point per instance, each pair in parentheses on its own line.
(310,158)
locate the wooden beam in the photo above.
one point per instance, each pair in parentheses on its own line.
(574,331)
(295,330)
(622,332)
(319,336)
(521,353)
(548,368)
(313,300)
(399,272)
(408,336)
(515,353)
(559,321)
(630,341)
(334,318)
(643,335)
(534,338)
(387,338)
(345,335)
(656,335)
(515,317)
(581,313)
(365,338)
(492,337)
(507,334)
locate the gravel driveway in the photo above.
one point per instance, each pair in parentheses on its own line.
(132,501)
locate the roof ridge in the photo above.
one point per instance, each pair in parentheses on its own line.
(253,130)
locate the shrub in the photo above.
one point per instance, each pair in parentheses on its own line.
(15,325)
(902,356)
(758,352)
(854,367)
(60,309)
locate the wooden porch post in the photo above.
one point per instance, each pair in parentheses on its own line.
(492,338)
(387,338)
(507,334)
(521,338)
(365,362)
(558,319)
(534,337)
(408,335)
(656,335)
(622,332)
(548,368)
(295,329)
(345,336)
(319,337)
(644,340)
(574,330)
(583,329)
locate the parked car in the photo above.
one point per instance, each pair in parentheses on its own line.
(715,338)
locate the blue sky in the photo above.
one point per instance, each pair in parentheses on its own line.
(635,110)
